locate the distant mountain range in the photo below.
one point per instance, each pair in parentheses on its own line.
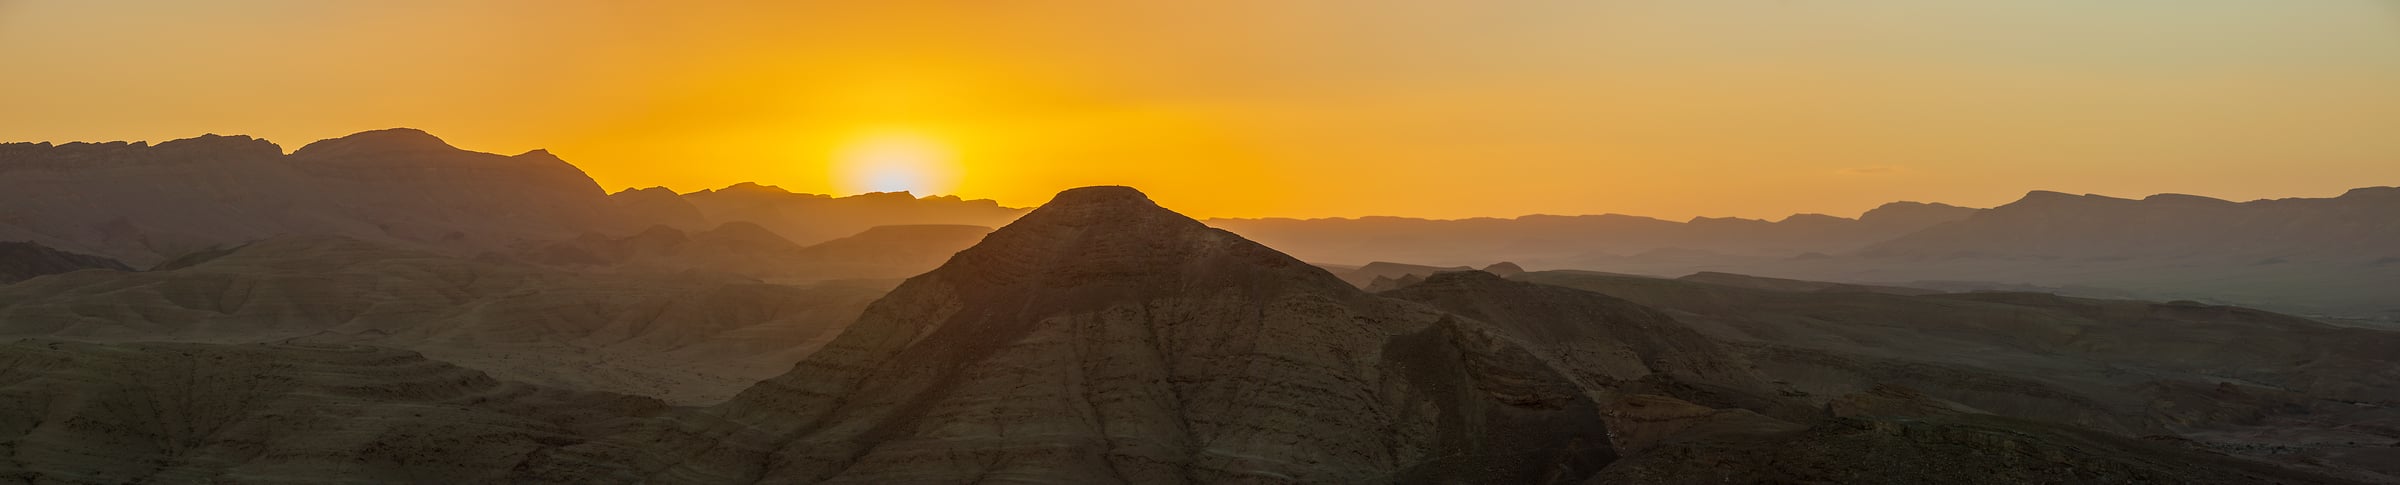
(1553,241)
(2358,227)
(143,204)
(2335,257)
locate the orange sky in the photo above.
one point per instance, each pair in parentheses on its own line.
(1432,108)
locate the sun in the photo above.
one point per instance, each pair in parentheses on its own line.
(896,162)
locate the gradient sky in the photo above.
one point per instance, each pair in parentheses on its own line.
(1433,108)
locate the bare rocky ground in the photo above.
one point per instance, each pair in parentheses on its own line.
(276,413)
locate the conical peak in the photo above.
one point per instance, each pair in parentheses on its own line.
(1115,236)
(1110,205)
(1100,195)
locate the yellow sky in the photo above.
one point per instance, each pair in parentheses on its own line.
(1431,108)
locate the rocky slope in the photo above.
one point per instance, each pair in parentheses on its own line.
(275,413)
(2263,385)
(1606,344)
(21,261)
(1102,338)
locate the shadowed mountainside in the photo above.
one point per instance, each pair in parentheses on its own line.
(20,261)
(2258,384)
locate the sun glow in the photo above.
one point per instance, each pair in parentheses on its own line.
(897,161)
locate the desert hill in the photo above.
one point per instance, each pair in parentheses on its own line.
(20,261)
(692,338)
(275,413)
(1613,346)
(1103,338)
(2265,385)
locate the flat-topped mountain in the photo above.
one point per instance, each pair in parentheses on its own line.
(143,204)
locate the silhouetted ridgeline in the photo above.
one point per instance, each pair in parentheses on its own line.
(143,204)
